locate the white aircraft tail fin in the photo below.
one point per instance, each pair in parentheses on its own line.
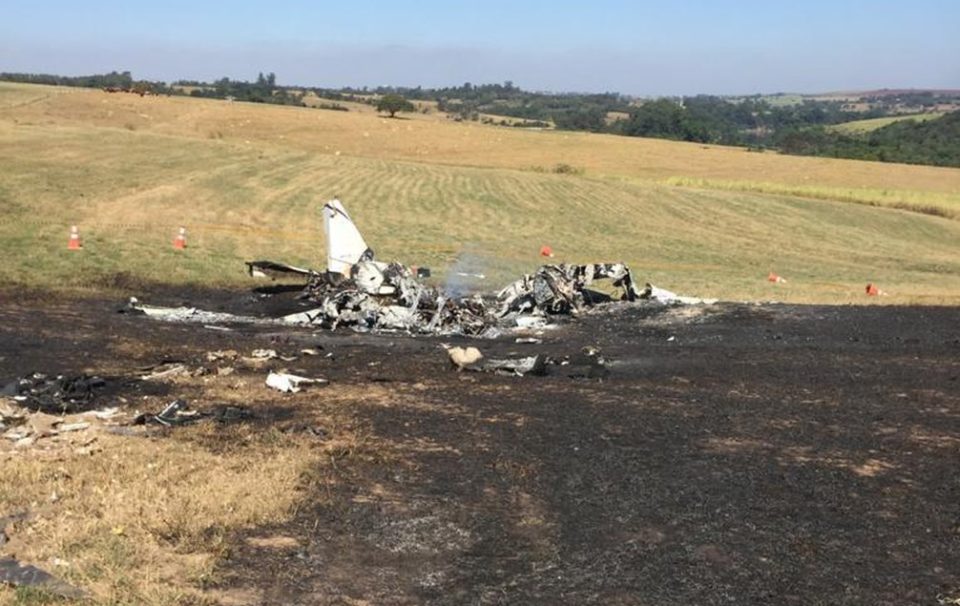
(345,246)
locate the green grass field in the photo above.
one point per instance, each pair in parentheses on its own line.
(247,182)
(865,126)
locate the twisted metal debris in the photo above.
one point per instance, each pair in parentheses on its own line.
(359,292)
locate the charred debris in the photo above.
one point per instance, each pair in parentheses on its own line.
(365,294)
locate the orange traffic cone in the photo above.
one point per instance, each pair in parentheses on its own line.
(872,290)
(776,279)
(546,251)
(180,242)
(74,243)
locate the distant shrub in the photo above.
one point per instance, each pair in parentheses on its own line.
(333,107)
(531,124)
(567,169)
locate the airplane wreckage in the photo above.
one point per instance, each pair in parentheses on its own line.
(360,292)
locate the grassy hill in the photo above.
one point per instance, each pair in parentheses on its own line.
(247,181)
(865,126)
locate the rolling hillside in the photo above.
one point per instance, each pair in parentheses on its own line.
(246,180)
(865,126)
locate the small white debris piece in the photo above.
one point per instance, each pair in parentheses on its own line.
(288,383)
(39,425)
(260,357)
(303,317)
(164,371)
(661,295)
(531,322)
(105,413)
(461,357)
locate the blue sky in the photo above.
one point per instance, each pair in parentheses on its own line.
(642,48)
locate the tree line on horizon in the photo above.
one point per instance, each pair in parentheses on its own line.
(752,122)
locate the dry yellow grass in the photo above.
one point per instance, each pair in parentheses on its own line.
(247,180)
(424,138)
(146,521)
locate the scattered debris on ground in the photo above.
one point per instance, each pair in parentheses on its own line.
(179,412)
(364,294)
(563,289)
(528,365)
(16,574)
(368,295)
(598,488)
(288,383)
(24,427)
(190,314)
(58,394)
(176,413)
(164,370)
(587,364)
(379,297)
(226,354)
(660,295)
(24,424)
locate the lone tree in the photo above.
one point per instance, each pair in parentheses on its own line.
(393,103)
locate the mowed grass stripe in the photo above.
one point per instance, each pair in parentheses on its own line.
(589,214)
(427,139)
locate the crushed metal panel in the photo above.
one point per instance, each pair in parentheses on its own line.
(190,314)
(309,316)
(396,317)
(530,365)
(368,295)
(273,270)
(345,245)
(371,278)
(562,289)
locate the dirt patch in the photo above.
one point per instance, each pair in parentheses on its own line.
(740,454)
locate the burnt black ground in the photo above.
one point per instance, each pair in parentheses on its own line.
(736,454)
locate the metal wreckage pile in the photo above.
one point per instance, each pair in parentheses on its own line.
(366,294)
